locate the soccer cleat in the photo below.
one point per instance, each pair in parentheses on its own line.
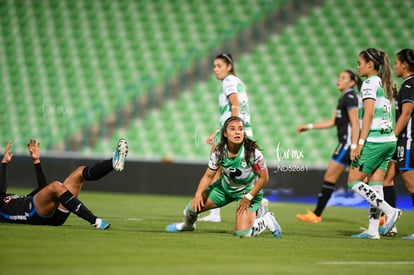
(391,221)
(393,232)
(409,237)
(273,225)
(179,227)
(120,153)
(366,235)
(309,217)
(101,224)
(264,208)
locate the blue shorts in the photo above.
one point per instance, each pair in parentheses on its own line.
(341,154)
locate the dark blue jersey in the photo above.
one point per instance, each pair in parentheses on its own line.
(348,100)
(406,94)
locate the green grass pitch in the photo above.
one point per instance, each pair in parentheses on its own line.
(136,243)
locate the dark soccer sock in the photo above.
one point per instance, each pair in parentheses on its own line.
(74,205)
(390,195)
(412,198)
(323,197)
(98,170)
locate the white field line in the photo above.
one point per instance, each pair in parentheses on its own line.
(366,263)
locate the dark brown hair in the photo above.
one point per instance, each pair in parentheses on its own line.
(381,63)
(407,56)
(249,145)
(228,59)
(355,78)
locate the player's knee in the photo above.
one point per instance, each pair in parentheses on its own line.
(56,187)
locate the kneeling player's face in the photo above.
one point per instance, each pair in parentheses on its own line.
(235,132)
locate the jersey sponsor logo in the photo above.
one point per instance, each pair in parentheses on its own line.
(234,172)
(366,92)
(10,198)
(338,113)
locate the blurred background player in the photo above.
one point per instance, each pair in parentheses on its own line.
(243,176)
(403,160)
(51,204)
(377,141)
(233,101)
(345,118)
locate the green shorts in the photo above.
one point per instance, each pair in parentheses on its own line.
(221,197)
(375,156)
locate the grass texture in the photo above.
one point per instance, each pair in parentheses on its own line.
(137,242)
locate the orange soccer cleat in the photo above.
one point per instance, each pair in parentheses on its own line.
(309,217)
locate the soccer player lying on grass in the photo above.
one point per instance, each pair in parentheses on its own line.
(244,174)
(51,204)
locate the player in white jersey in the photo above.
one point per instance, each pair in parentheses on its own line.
(233,101)
(376,143)
(243,177)
(403,160)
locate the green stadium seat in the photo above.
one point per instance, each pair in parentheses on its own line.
(120,44)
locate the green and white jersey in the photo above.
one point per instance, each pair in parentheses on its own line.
(230,85)
(237,173)
(381,127)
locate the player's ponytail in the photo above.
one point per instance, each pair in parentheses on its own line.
(381,63)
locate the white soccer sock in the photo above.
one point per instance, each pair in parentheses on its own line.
(374,212)
(372,197)
(258,227)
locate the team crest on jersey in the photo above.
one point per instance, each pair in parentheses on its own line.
(243,163)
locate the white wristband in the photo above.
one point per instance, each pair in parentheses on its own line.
(361,141)
(353,146)
(248,196)
(310,126)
